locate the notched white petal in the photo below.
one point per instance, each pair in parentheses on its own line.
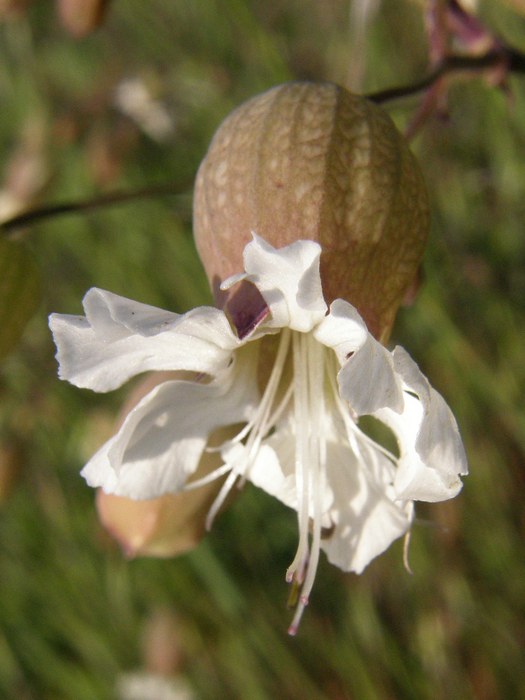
(432,454)
(438,443)
(367,379)
(342,329)
(439,439)
(288,279)
(120,338)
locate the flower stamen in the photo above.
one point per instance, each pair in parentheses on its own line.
(215,474)
(255,431)
(301,452)
(310,465)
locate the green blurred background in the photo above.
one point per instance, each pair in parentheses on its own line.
(75,616)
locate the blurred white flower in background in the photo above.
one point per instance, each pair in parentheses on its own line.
(134,98)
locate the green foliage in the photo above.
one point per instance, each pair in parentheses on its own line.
(74,614)
(19,292)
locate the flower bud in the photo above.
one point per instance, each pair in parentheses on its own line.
(158,527)
(313,161)
(80,17)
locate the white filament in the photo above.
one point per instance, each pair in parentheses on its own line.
(309,380)
(255,431)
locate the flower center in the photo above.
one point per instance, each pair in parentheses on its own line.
(309,395)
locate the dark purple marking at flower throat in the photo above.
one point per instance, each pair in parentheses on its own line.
(246,308)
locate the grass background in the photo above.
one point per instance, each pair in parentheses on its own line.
(75,615)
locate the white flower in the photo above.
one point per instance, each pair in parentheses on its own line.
(144,685)
(297,381)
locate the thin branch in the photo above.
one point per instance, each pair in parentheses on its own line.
(33,216)
(513,61)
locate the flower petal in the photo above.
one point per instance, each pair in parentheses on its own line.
(270,472)
(288,279)
(161,441)
(273,471)
(342,329)
(432,453)
(358,503)
(119,338)
(365,515)
(439,439)
(367,379)
(412,377)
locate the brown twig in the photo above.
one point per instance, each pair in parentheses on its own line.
(512,60)
(33,216)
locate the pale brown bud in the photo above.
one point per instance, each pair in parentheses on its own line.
(80,17)
(312,161)
(158,527)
